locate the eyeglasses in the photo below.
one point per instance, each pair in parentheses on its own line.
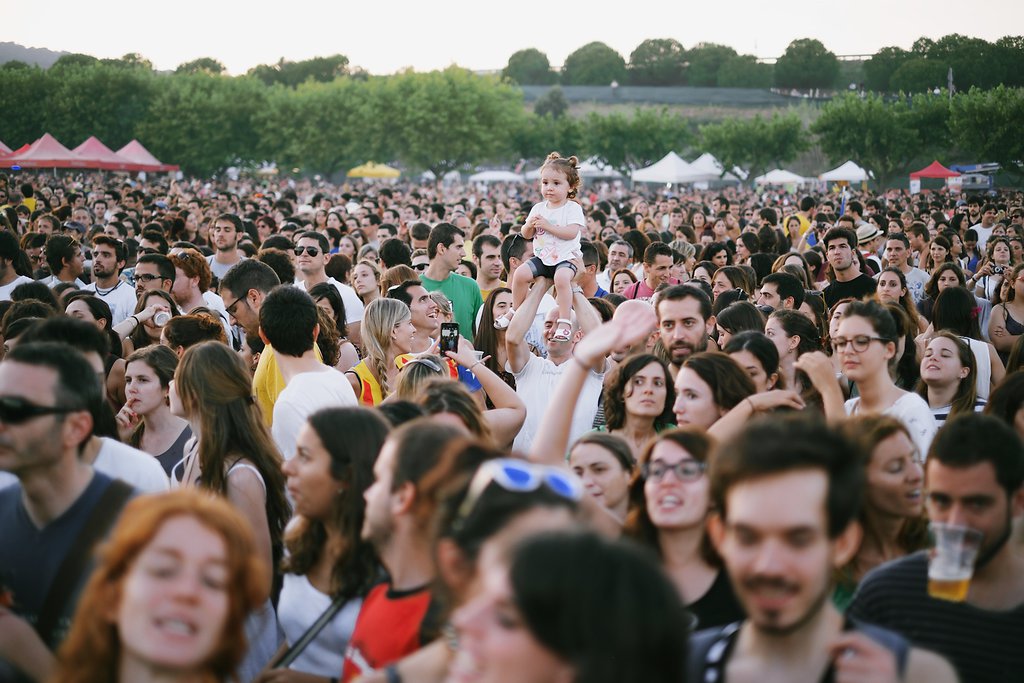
(16,411)
(148,277)
(685,470)
(519,477)
(230,309)
(420,266)
(860,342)
(312,251)
(148,250)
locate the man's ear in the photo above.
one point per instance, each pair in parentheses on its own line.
(847,543)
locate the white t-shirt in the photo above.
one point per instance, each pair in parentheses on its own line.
(52,282)
(299,606)
(5,291)
(139,469)
(535,384)
(353,304)
(553,250)
(305,394)
(914,412)
(983,235)
(121,299)
(916,280)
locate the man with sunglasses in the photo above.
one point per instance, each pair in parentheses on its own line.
(60,506)
(311,253)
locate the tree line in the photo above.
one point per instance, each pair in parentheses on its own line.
(806,65)
(332,120)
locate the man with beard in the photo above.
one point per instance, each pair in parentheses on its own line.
(487,254)
(224,236)
(683,314)
(974,477)
(108,258)
(787,492)
(850,282)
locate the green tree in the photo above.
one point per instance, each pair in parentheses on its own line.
(291,74)
(74,60)
(552,103)
(986,124)
(744,71)
(918,74)
(974,61)
(658,61)
(529,67)
(706,59)
(1010,55)
(132,60)
(629,142)
(202,65)
(594,64)
(879,137)
(878,70)
(806,65)
(755,144)
(24,96)
(204,123)
(537,136)
(101,99)
(444,120)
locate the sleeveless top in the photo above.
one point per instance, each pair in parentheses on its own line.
(1012,326)
(370,393)
(984,363)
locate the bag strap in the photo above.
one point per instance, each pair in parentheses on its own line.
(311,633)
(102,517)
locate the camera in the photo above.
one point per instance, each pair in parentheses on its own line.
(998,270)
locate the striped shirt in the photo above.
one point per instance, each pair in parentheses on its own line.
(983,646)
(942,412)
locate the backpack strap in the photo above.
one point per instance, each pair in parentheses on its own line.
(101,519)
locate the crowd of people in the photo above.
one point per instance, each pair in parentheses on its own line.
(285,432)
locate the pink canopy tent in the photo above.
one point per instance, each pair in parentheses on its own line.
(934,170)
(134,152)
(4,149)
(98,155)
(46,152)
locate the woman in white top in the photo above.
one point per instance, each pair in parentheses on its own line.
(997,265)
(234,457)
(956,311)
(327,557)
(865,341)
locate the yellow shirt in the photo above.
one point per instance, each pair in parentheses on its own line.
(268,382)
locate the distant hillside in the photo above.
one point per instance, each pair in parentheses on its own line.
(40,56)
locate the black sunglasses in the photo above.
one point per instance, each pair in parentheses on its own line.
(312,251)
(420,266)
(15,411)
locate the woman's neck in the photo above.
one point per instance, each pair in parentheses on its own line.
(681,547)
(161,419)
(882,534)
(876,391)
(133,669)
(637,430)
(788,370)
(940,395)
(370,296)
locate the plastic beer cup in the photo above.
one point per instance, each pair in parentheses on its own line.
(951,560)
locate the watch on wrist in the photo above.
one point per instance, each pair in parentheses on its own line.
(577,289)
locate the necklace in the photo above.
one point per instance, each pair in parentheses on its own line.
(104,292)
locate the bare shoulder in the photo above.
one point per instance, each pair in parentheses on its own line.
(924,666)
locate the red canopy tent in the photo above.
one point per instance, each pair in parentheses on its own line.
(934,170)
(134,152)
(4,149)
(98,155)
(46,152)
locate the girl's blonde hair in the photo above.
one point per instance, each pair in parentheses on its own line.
(379,319)
(570,167)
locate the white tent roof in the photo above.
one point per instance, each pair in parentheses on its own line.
(449,177)
(707,168)
(779,176)
(849,172)
(495,177)
(591,168)
(672,168)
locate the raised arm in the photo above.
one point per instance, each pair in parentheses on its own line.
(509,412)
(633,322)
(515,336)
(819,370)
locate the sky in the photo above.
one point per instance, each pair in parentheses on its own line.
(386,36)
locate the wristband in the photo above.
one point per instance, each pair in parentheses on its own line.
(392,675)
(136,319)
(470,368)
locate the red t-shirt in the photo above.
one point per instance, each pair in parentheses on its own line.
(640,290)
(391,625)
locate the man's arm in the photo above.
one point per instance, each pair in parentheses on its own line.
(587,316)
(515,336)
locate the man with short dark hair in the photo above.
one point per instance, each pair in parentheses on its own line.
(419,235)
(10,256)
(225,234)
(64,257)
(394,252)
(781,291)
(288,323)
(445,248)
(424,311)
(620,255)
(683,315)
(153,271)
(591,264)
(108,259)
(487,255)
(840,245)
(974,477)
(657,267)
(987,223)
(311,254)
(786,495)
(897,255)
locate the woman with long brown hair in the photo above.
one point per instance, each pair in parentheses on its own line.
(169,597)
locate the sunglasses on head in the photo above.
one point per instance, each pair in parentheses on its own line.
(519,477)
(15,411)
(312,251)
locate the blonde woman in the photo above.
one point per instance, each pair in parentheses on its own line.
(388,338)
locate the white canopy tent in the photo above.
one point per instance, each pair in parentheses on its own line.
(780,176)
(672,168)
(496,177)
(849,172)
(706,168)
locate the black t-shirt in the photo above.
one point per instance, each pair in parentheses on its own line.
(983,646)
(718,606)
(857,288)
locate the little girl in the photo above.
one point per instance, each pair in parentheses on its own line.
(555,225)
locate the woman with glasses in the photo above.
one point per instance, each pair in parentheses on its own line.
(892,514)
(670,503)
(366,281)
(864,343)
(948,377)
